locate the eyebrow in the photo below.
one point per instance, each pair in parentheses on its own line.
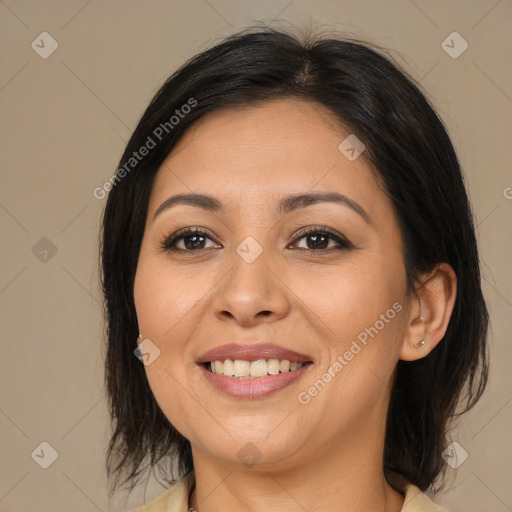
(286,204)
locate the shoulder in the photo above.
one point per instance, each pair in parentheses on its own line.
(418,501)
(173,500)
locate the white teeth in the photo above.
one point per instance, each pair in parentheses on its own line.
(242,368)
(259,368)
(229,367)
(273,366)
(284,366)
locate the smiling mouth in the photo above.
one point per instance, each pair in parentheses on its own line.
(242,369)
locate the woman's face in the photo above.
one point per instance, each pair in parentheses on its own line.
(252,286)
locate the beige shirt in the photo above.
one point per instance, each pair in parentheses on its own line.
(176,499)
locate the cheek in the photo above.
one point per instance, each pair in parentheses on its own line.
(371,329)
(354,298)
(361,308)
(175,398)
(168,303)
(165,300)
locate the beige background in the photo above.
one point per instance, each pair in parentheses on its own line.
(65,120)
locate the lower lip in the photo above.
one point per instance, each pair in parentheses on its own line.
(257,387)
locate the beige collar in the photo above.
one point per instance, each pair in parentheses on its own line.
(176,499)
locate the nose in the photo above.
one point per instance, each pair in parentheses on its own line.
(251,293)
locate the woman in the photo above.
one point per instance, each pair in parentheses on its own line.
(289,251)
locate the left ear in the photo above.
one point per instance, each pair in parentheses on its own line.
(430,313)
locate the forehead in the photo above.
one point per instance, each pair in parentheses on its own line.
(258,153)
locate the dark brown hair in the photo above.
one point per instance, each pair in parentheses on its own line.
(408,146)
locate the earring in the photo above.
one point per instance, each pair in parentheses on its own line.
(420,345)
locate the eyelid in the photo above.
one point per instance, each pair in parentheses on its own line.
(193,230)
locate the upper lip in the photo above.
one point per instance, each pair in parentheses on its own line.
(251,352)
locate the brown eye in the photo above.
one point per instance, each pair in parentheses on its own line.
(318,239)
(191,240)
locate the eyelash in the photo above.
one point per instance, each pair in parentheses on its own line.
(169,242)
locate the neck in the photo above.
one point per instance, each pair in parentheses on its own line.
(346,478)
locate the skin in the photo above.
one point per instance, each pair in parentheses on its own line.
(313,301)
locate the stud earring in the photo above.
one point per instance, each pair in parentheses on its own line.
(420,345)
